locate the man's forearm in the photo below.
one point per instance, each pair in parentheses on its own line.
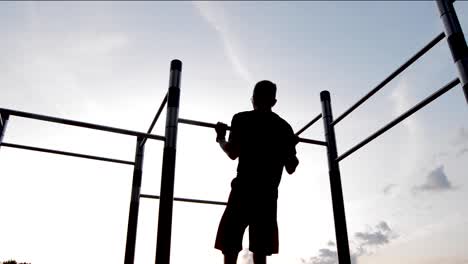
(226,148)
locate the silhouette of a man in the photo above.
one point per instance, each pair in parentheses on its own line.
(264,144)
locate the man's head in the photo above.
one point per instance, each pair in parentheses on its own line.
(264,95)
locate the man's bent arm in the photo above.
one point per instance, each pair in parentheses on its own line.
(228,149)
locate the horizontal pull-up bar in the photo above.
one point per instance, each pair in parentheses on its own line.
(309,124)
(402,117)
(198,123)
(400,69)
(211,125)
(79,124)
(184,200)
(156,117)
(4,144)
(312,141)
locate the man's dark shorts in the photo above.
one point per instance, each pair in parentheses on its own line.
(253,209)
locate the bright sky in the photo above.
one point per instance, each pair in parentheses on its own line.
(108,63)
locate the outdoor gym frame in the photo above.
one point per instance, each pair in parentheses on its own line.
(459,51)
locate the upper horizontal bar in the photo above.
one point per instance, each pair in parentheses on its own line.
(184,200)
(391,76)
(402,117)
(79,124)
(309,124)
(312,141)
(211,125)
(198,123)
(156,117)
(4,144)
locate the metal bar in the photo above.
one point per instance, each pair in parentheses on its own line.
(79,124)
(312,141)
(317,118)
(66,153)
(3,125)
(391,76)
(211,125)
(156,117)
(185,200)
(163,246)
(402,117)
(341,233)
(456,40)
(198,123)
(134,202)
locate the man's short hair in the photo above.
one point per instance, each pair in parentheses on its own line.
(264,92)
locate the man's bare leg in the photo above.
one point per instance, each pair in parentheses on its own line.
(230,258)
(259,259)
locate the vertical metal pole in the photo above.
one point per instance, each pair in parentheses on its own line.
(456,41)
(341,232)
(134,202)
(3,124)
(163,246)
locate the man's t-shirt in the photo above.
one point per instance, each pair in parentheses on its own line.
(264,141)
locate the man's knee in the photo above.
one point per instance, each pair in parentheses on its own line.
(259,258)
(230,257)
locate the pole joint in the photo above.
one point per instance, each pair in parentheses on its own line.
(456,41)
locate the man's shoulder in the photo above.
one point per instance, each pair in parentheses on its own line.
(282,121)
(242,115)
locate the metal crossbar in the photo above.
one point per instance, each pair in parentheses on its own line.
(65,153)
(312,141)
(184,200)
(317,118)
(156,117)
(79,124)
(198,123)
(400,69)
(402,117)
(211,125)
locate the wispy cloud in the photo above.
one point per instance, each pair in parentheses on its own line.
(388,189)
(461,137)
(461,152)
(216,16)
(460,142)
(400,97)
(54,69)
